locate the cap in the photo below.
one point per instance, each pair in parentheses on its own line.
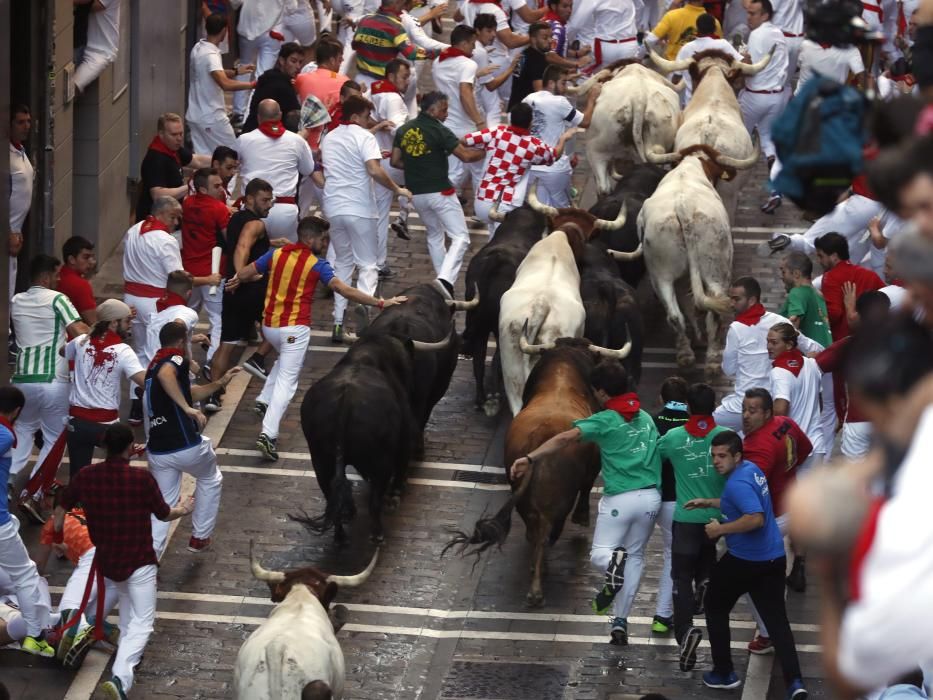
(113,310)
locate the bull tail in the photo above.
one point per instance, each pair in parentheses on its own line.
(716,303)
(489,531)
(340,503)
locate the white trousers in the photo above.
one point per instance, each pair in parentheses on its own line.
(553,185)
(262,52)
(616,52)
(856,439)
(212,305)
(167,469)
(728,419)
(282,221)
(46,409)
(206,136)
(15,562)
(458,171)
(298,24)
(91,66)
(291,343)
(849,218)
(759,112)
(384,197)
(77,582)
(665,604)
(137,598)
(443,214)
(491,105)
(625,520)
(355,243)
(145,307)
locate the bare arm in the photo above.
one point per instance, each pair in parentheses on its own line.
(227,83)
(468,100)
(529,15)
(553,444)
(78,328)
(353,294)
(180,510)
(781,407)
(747,523)
(200,160)
(468,155)
(179,192)
(376,172)
(395,160)
(169,383)
(510,39)
(506,74)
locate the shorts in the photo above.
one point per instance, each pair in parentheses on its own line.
(241,310)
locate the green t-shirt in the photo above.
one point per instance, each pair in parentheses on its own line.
(628,450)
(807,304)
(425,144)
(694,474)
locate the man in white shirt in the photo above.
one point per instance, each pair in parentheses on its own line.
(763,98)
(454,73)
(421,37)
(833,62)
(207,112)
(788,17)
(391,110)
(552,116)
(173,306)
(610,26)
(103,41)
(281,158)
(43,320)
(493,69)
(257,44)
(505,43)
(706,40)
(22,178)
(353,161)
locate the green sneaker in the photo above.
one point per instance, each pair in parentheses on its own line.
(112,689)
(260,408)
(662,625)
(37,647)
(266,445)
(81,645)
(111,633)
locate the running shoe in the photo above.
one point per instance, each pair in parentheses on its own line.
(797,580)
(212,403)
(81,645)
(206,372)
(136,412)
(196,544)
(614,580)
(37,647)
(111,633)
(400,227)
(266,445)
(113,689)
(256,365)
(761,645)
(778,242)
(772,204)
(796,691)
(618,631)
(33,510)
(661,625)
(336,336)
(721,681)
(260,408)
(688,648)
(385,272)
(699,597)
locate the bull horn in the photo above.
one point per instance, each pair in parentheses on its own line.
(753,68)
(527,347)
(585,86)
(422,346)
(536,204)
(677,87)
(357,580)
(619,354)
(614,172)
(261,573)
(667,66)
(659,158)
(465,305)
(495,214)
(624,256)
(737,163)
(615,224)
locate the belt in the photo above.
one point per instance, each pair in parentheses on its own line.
(284,200)
(792,36)
(617,41)
(138,289)
(765,92)
(598,51)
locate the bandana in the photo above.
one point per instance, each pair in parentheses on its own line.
(101,343)
(159,147)
(908,79)
(383,87)
(752,315)
(272,129)
(676,406)
(791,360)
(152,224)
(170,299)
(163,353)
(450,52)
(552,16)
(518,130)
(699,426)
(337,115)
(626,405)
(16,144)
(5,422)
(825,46)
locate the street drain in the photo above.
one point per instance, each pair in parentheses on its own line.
(480,477)
(504,681)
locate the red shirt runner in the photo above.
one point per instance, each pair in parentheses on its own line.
(865,281)
(777,448)
(204,220)
(77,289)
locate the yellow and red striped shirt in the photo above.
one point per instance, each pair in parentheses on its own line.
(294,271)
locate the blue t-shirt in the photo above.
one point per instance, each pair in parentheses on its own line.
(7,438)
(747,493)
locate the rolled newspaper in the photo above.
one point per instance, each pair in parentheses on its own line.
(216,252)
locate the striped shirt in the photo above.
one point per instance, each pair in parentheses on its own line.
(293,272)
(380,38)
(40,319)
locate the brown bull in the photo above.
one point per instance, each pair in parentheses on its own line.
(557,393)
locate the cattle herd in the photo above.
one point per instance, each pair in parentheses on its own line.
(555,288)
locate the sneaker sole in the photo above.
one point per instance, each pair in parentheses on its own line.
(79,649)
(212,408)
(34,516)
(800,694)
(110,691)
(688,653)
(762,652)
(268,454)
(255,371)
(195,550)
(618,638)
(723,686)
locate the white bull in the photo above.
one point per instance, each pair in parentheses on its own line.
(638,111)
(296,647)
(684,229)
(713,117)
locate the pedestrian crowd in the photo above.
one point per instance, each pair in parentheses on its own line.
(812,463)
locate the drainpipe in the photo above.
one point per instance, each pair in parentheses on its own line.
(47,127)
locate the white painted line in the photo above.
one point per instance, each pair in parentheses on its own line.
(447,466)
(86,679)
(767,229)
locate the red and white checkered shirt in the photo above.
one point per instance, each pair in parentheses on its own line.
(512,152)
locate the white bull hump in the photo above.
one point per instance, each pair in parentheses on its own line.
(294,647)
(546,295)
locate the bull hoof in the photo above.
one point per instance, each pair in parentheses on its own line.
(582,518)
(685,359)
(492,406)
(534,600)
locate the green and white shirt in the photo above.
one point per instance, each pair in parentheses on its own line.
(40,316)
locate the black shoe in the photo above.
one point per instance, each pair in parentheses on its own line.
(778,242)
(256,365)
(33,510)
(385,272)
(797,581)
(448,286)
(618,632)
(699,597)
(212,403)
(267,446)
(136,412)
(774,201)
(688,648)
(206,372)
(401,229)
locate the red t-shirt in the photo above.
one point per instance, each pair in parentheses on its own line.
(830,360)
(865,281)
(77,289)
(204,220)
(777,448)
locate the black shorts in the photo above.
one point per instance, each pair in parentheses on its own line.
(241,310)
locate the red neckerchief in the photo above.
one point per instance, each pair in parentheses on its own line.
(16,144)
(272,129)
(825,46)
(170,299)
(158,146)
(336,116)
(451,52)
(6,423)
(708,36)
(897,282)
(626,405)
(907,78)
(382,87)
(699,426)
(863,543)
(518,130)
(152,224)
(100,343)
(162,353)
(752,315)
(552,16)
(791,360)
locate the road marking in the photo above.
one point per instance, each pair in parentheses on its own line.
(767,229)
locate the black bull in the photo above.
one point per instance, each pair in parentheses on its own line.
(370,410)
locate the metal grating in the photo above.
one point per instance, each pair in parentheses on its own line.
(504,681)
(480,477)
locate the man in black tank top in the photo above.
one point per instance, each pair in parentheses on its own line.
(247,240)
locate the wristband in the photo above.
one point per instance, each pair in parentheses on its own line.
(381,304)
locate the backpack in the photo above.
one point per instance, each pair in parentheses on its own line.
(819,140)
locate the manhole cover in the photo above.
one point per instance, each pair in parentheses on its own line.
(480,477)
(504,681)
